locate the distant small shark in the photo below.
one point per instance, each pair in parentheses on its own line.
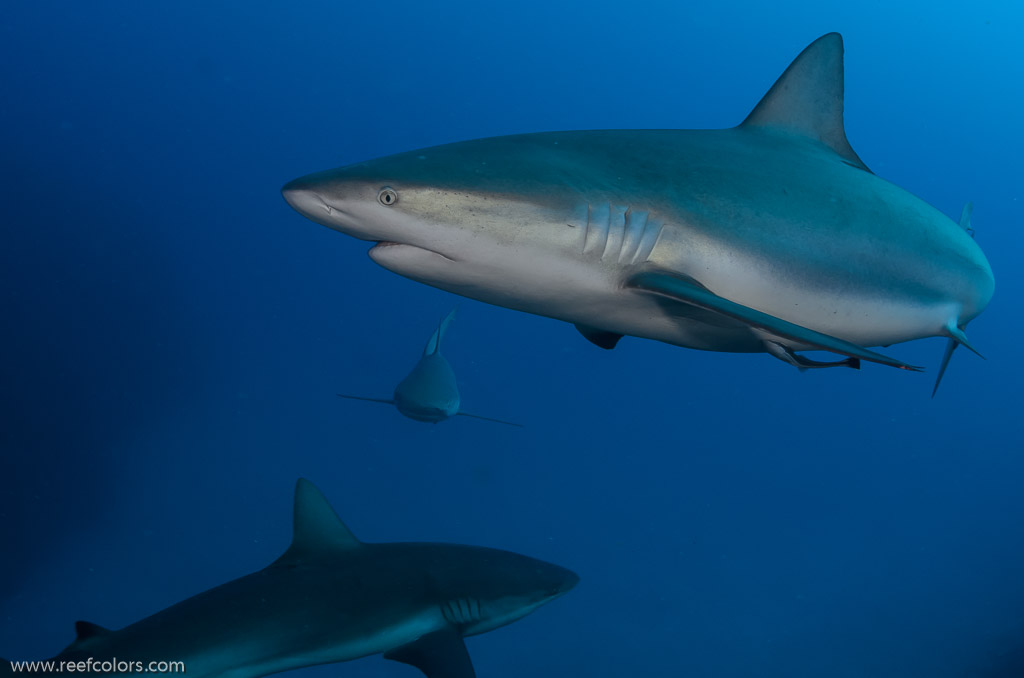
(772,236)
(331,598)
(429,393)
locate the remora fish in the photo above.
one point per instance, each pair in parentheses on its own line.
(331,598)
(429,393)
(771,236)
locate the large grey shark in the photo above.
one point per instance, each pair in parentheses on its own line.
(772,236)
(429,393)
(331,598)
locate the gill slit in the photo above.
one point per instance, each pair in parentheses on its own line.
(619,234)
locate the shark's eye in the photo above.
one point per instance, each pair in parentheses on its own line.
(387,196)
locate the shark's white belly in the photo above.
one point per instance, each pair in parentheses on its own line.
(568,285)
(367,643)
(257,656)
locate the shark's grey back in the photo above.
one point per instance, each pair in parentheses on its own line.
(332,598)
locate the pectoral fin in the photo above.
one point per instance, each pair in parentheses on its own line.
(691,292)
(496,421)
(441,654)
(369,400)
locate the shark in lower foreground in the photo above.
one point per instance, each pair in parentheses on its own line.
(772,236)
(331,598)
(429,393)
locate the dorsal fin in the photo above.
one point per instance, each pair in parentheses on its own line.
(317,529)
(85,630)
(434,345)
(807,99)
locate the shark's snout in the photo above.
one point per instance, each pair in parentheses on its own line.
(564,582)
(307,201)
(571,579)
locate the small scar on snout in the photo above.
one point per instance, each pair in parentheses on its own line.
(570,226)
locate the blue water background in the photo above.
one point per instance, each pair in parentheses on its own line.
(173,335)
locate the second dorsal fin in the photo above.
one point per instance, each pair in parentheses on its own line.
(807,99)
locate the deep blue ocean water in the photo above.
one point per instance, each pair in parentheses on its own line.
(173,335)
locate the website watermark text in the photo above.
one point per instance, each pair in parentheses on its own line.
(92,665)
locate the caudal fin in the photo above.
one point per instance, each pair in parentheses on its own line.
(951,345)
(956,337)
(953,331)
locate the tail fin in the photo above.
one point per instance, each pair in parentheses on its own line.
(951,345)
(434,345)
(957,334)
(956,337)
(953,331)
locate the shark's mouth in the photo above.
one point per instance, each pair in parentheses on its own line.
(383,245)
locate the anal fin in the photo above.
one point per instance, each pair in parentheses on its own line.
(441,654)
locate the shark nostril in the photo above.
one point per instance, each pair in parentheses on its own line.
(309,202)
